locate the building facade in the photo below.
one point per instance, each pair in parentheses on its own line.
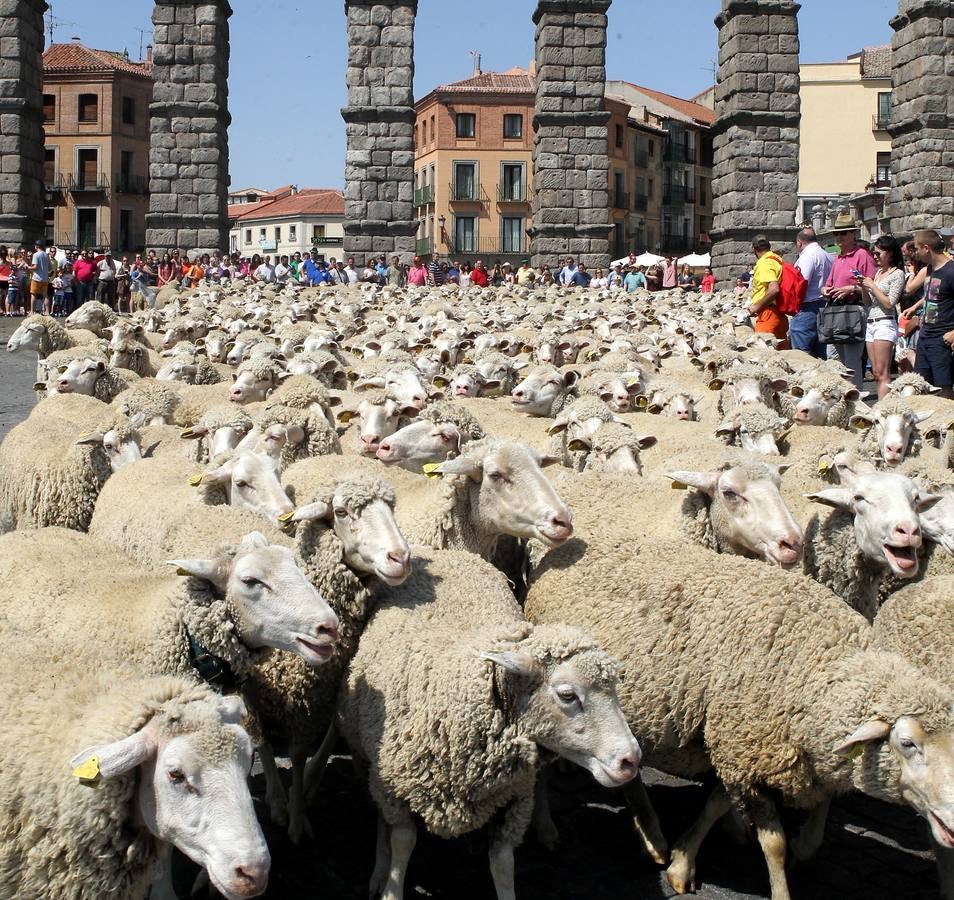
(845,156)
(474,167)
(96,151)
(289,221)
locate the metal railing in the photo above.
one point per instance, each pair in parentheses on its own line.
(513,193)
(640,202)
(619,199)
(424,246)
(423,196)
(880,122)
(677,243)
(56,181)
(678,195)
(679,153)
(131,184)
(464,193)
(81,182)
(487,249)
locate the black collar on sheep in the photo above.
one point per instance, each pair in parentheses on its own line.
(215,672)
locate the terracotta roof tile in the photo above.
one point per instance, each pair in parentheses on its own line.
(876,62)
(513,81)
(78,58)
(695,111)
(309,202)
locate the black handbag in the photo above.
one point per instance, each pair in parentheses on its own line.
(842,323)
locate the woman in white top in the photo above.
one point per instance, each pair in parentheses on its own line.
(599,280)
(882,295)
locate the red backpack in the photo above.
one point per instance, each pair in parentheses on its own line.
(792,288)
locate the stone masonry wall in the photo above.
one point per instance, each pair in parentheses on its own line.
(189,145)
(379,163)
(922,121)
(756,134)
(570,157)
(21,125)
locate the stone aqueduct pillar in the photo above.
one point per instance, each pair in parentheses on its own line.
(922,121)
(21,125)
(189,145)
(379,164)
(570,155)
(756,134)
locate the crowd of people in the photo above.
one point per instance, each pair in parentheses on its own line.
(890,306)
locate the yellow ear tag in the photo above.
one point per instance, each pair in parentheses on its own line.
(85,434)
(286,517)
(186,434)
(679,486)
(856,751)
(632,381)
(861,425)
(823,465)
(430,470)
(195,480)
(88,771)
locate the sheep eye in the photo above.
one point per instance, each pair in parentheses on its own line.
(251,581)
(176,776)
(908,744)
(341,513)
(567,695)
(858,498)
(731,496)
(497,476)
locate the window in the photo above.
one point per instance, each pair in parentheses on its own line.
(49,167)
(703,198)
(513,127)
(293,233)
(650,185)
(49,107)
(129,111)
(49,223)
(88,108)
(512,235)
(261,234)
(883,176)
(466,125)
(278,234)
(317,233)
(652,148)
(88,168)
(433,129)
(512,186)
(465,181)
(248,235)
(465,230)
(619,135)
(884,107)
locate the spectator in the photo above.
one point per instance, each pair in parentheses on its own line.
(634,280)
(525,274)
(59,294)
(40,279)
(435,274)
(265,272)
(669,279)
(935,357)
(567,272)
(686,280)
(766,285)
(509,276)
(478,276)
(599,280)
(417,274)
(67,275)
(351,273)
(85,272)
(654,278)
(882,295)
(842,288)
(106,280)
(122,282)
(395,272)
(815,265)
(309,270)
(137,281)
(282,271)
(581,278)
(616,278)
(498,276)
(465,273)
(708,282)
(6,270)
(381,268)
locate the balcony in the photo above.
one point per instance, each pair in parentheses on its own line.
(55,181)
(424,195)
(467,193)
(880,121)
(81,182)
(679,153)
(619,199)
(640,202)
(678,195)
(641,159)
(489,250)
(677,244)
(131,184)
(424,247)
(513,193)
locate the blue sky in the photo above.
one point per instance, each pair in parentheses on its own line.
(288,60)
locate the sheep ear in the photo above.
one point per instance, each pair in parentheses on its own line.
(515,661)
(861,422)
(839,498)
(547,460)
(193,434)
(646,442)
(864,734)
(926,501)
(254,540)
(779,384)
(578,445)
(796,390)
(707,482)
(346,415)
(716,384)
(215,571)
(294,433)
(921,416)
(570,378)
(463,465)
(310,512)
(111,760)
(853,394)
(91,437)
(559,424)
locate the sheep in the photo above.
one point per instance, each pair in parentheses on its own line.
(581,419)
(244,596)
(254,380)
(154,400)
(755,427)
(92,316)
(319,364)
(778,689)
(379,417)
(197,399)
(910,384)
(85,372)
(669,398)
(441,429)
(52,470)
(145,744)
(43,335)
(400,380)
(347,538)
(449,701)
(132,355)
(308,433)
(499,417)
(823,399)
(747,384)
(890,429)
(545,391)
(612,448)
(874,530)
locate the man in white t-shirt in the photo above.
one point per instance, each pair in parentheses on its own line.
(351,272)
(106,280)
(265,272)
(40,279)
(282,270)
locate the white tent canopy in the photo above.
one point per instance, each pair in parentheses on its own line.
(696,260)
(646,259)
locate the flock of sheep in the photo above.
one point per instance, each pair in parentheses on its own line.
(468,532)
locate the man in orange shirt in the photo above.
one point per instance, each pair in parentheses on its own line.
(766,285)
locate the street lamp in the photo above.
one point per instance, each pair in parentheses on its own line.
(442,221)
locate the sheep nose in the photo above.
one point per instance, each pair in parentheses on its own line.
(235,394)
(384,448)
(561,522)
(909,530)
(628,765)
(517,395)
(682,414)
(400,558)
(251,880)
(329,631)
(895,449)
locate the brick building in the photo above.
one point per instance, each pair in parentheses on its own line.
(96,122)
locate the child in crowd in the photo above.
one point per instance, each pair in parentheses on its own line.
(59,295)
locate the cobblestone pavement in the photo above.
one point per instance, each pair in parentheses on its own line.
(872,850)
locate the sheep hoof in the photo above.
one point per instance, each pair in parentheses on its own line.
(681,873)
(660,857)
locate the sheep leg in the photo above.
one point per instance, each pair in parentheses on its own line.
(274,790)
(812,833)
(771,837)
(501,868)
(681,873)
(298,824)
(315,768)
(161,888)
(403,839)
(382,860)
(944,859)
(547,834)
(646,821)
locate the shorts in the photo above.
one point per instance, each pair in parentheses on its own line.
(882,330)
(935,361)
(38,288)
